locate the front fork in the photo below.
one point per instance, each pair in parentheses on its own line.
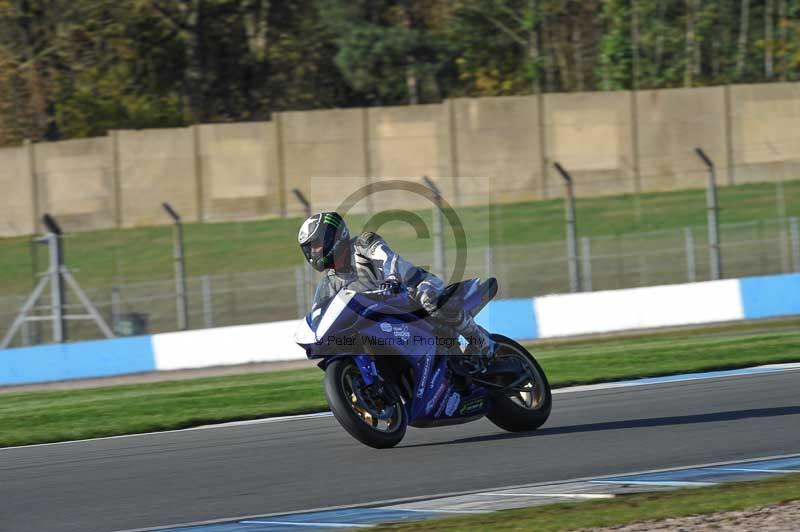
(373,385)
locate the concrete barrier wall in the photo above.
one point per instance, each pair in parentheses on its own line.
(16,192)
(590,134)
(765,131)
(75,183)
(155,166)
(407,143)
(238,165)
(521,319)
(498,147)
(672,123)
(477,150)
(324,154)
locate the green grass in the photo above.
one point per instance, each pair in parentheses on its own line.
(48,416)
(621,510)
(142,254)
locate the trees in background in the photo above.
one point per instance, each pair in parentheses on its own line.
(79,68)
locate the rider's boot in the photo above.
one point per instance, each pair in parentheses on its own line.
(480,342)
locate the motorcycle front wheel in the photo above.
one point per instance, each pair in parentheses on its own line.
(375,419)
(527,407)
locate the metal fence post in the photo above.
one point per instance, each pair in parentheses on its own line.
(181,297)
(713,217)
(439,257)
(300,290)
(25,334)
(488,261)
(586,263)
(784,245)
(116,305)
(572,241)
(58,296)
(208,303)
(794,231)
(307,276)
(691,263)
(780,199)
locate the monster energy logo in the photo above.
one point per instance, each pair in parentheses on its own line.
(333,220)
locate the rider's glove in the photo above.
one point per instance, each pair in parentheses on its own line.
(391,285)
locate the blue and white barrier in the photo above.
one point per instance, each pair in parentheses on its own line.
(242,344)
(522,319)
(644,308)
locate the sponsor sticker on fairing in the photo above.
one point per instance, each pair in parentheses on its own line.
(435,376)
(443,404)
(436,398)
(424,379)
(452,404)
(386,327)
(471,406)
(401,331)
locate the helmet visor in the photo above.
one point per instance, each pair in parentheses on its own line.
(320,245)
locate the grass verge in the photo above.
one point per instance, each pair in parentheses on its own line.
(49,416)
(622,510)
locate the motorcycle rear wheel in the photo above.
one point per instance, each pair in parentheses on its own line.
(344,390)
(521,411)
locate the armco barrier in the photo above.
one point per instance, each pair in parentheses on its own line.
(521,319)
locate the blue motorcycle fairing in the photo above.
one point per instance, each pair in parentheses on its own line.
(361,327)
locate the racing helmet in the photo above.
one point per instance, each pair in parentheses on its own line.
(320,237)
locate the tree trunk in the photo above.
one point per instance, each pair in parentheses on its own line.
(690,38)
(782,21)
(768,39)
(561,56)
(635,45)
(577,47)
(744,22)
(411,82)
(548,49)
(533,48)
(660,41)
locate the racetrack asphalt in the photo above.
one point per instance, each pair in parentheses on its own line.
(249,469)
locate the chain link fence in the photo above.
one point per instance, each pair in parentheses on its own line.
(606,262)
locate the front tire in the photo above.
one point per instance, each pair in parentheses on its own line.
(521,411)
(344,386)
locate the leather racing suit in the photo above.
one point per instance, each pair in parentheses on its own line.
(372,262)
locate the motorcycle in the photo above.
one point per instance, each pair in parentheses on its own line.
(387,367)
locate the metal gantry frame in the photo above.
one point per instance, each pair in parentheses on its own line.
(59,278)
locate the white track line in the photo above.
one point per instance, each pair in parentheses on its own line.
(554,495)
(757,470)
(321,525)
(655,483)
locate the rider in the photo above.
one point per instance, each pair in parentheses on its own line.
(367,263)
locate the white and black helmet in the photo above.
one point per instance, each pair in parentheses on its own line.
(320,237)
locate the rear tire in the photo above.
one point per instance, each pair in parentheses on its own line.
(340,377)
(520,412)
